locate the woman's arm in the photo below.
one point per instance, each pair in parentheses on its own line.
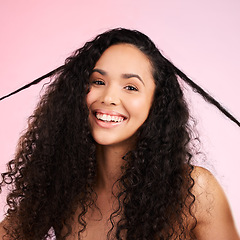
(211,208)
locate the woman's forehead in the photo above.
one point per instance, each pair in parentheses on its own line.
(125,58)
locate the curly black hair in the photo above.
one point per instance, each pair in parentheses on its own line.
(54,168)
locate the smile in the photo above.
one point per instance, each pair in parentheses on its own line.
(108,118)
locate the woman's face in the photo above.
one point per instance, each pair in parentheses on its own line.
(121,94)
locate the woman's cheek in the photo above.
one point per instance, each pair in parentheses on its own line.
(90,97)
(139,104)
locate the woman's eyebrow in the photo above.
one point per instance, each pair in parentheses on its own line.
(124,75)
(131,75)
(102,72)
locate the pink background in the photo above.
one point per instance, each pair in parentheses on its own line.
(201,37)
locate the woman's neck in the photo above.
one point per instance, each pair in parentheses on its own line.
(109,163)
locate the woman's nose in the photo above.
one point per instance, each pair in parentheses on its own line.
(110,96)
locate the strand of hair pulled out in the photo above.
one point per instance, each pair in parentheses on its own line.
(204,94)
(193,85)
(34,82)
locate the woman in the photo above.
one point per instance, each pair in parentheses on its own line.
(107,153)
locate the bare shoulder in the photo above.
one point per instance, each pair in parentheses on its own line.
(206,184)
(214,218)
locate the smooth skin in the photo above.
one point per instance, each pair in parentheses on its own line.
(121,85)
(122,89)
(211,208)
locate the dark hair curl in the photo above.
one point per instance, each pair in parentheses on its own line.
(54,168)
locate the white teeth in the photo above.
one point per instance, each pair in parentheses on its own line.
(108,118)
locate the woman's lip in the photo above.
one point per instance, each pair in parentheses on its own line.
(111,113)
(104,124)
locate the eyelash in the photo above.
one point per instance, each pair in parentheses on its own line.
(98,82)
(131,88)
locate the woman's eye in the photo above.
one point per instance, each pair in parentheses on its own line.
(131,88)
(98,82)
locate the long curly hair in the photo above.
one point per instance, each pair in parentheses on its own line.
(54,168)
